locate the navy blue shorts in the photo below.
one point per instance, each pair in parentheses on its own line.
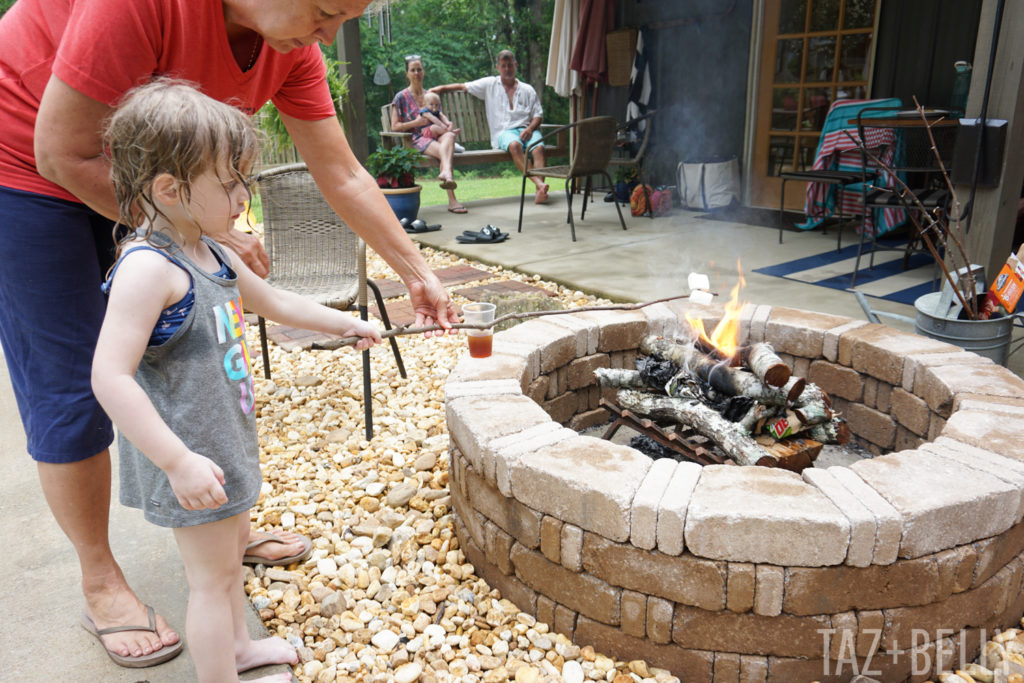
(53,256)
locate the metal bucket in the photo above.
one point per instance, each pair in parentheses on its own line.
(989,338)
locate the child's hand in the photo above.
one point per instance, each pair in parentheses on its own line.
(357,328)
(198,482)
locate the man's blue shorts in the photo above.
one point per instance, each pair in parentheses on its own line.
(53,255)
(507,137)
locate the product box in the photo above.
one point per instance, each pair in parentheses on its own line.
(1008,285)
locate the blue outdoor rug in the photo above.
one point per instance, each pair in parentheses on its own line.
(887,280)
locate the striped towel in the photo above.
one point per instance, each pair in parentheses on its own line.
(838,151)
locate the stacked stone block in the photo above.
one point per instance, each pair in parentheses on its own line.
(895,566)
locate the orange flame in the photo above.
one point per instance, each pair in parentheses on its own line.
(725,336)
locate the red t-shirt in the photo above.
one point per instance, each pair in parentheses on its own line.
(102,48)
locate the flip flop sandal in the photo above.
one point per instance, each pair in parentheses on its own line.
(488,232)
(267,537)
(480,239)
(458,209)
(405,221)
(130,661)
(449,185)
(418,226)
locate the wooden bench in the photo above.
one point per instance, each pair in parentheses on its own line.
(467,112)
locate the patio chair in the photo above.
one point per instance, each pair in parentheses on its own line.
(590,154)
(837,168)
(313,253)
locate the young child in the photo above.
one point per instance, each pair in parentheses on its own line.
(171,366)
(439,123)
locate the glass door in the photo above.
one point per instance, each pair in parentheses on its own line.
(813,52)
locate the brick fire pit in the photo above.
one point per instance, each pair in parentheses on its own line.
(898,563)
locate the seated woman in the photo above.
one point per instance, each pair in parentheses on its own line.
(406,118)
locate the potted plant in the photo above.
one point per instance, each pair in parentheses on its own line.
(394,170)
(625,181)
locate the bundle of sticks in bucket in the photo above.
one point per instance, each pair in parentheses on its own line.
(750,406)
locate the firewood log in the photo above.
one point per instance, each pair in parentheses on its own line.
(765,364)
(703,420)
(615,378)
(720,376)
(834,431)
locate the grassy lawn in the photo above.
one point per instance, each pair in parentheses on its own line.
(470,188)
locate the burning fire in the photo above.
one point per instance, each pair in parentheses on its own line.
(725,337)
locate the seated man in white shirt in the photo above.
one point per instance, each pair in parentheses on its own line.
(513,115)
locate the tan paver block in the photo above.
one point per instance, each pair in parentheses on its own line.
(836,380)
(583,593)
(801,333)
(1009,470)
(572,547)
(500,365)
(481,388)
(727,668)
(619,330)
(910,411)
(830,590)
(758,321)
(661,320)
(557,343)
(830,346)
(502,453)
(784,635)
(997,432)
(659,620)
(475,421)
(581,370)
(878,350)
(874,425)
(888,523)
(915,362)
(939,385)
(756,514)
(686,579)
(633,606)
(586,332)
(512,516)
(585,481)
(770,587)
(996,404)
(862,521)
(643,527)
(740,586)
(753,669)
(672,510)
(942,502)
(551,538)
(687,665)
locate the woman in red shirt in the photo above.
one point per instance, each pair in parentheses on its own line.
(63,65)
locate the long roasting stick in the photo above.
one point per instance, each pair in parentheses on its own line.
(404,329)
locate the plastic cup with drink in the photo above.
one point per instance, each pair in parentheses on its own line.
(479,313)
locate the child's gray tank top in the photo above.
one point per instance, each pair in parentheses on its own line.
(200,381)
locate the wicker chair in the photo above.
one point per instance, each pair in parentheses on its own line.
(313,253)
(590,154)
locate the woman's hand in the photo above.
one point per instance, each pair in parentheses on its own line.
(249,249)
(432,305)
(197,482)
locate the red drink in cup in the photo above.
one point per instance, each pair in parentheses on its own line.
(479,339)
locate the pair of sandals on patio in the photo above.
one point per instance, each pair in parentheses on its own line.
(488,234)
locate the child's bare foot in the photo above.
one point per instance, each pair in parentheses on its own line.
(542,194)
(273,650)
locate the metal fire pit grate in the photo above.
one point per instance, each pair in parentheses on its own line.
(688,445)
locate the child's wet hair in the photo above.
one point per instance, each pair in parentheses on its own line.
(167,126)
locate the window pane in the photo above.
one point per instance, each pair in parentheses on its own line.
(780,154)
(787,60)
(853,57)
(784,105)
(816,104)
(859,14)
(824,15)
(792,16)
(821,57)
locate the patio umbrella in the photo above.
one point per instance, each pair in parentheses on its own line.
(589,57)
(560,75)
